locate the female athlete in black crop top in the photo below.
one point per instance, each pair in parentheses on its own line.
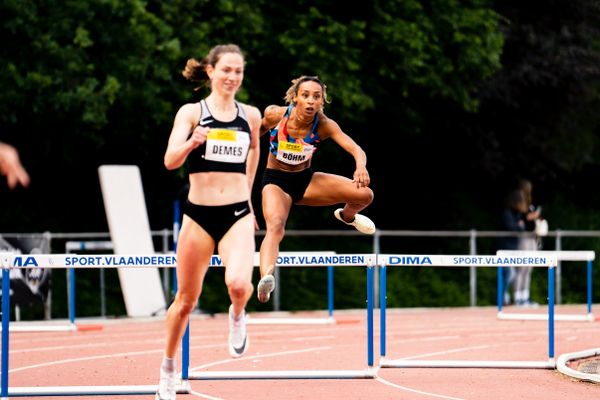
(226,145)
(219,139)
(295,131)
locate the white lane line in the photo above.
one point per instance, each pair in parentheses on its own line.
(423,339)
(281,353)
(306,339)
(439,396)
(100,357)
(82,346)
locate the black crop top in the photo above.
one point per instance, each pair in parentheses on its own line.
(226,147)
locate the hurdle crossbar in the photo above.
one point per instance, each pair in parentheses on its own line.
(562,255)
(43,328)
(550,364)
(183,388)
(368,373)
(290,321)
(518,260)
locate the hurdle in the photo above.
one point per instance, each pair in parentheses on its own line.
(140,262)
(70,326)
(9,261)
(563,255)
(282,258)
(310,260)
(523,259)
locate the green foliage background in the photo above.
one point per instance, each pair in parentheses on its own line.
(452,100)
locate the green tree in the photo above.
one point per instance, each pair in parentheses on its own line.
(87,83)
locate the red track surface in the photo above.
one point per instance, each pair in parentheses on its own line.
(128,352)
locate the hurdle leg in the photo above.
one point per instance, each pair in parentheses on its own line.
(185,353)
(382,309)
(370,316)
(551,313)
(330,290)
(277,291)
(71,294)
(500,296)
(589,287)
(5,333)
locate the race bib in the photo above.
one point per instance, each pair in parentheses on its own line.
(227,145)
(294,153)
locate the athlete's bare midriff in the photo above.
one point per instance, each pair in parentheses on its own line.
(218,188)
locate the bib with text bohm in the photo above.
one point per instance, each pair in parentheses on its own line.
(227,145)
(294,153)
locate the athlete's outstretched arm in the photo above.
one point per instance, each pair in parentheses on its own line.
(10,165)
(333,131)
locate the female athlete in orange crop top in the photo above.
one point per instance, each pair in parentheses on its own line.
(295,131)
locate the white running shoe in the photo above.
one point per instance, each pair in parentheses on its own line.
(238,338)
(360,222)
(265,286)
(166,386)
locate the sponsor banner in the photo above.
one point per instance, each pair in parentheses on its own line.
(562,255)
(87,261)
(316,260)
(169,260)
(528,260)
(300,259)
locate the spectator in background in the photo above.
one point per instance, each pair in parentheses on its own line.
(10,166)
(511,220)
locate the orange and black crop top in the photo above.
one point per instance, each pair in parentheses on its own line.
(289,150)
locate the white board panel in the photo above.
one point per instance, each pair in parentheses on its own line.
(129,228)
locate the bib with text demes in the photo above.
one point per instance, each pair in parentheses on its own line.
(227,145)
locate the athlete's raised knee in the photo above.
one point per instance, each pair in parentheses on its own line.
(369,195)
(364,197)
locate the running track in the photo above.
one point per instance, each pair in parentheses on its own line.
(128,352)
